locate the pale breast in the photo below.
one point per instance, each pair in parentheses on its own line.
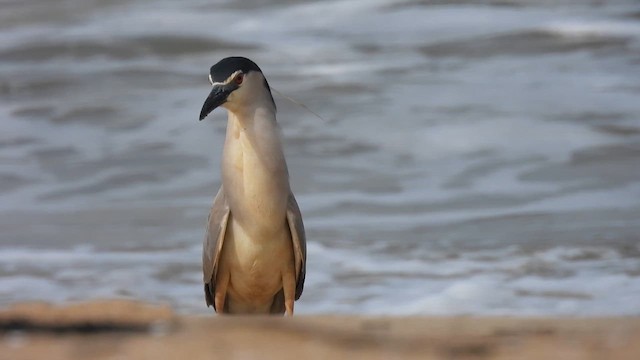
(256,264)
(256,185)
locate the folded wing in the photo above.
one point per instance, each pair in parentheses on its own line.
(212,247)
(294,219)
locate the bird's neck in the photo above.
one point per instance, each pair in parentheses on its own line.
(254,170)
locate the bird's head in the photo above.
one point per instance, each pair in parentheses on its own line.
(237,84)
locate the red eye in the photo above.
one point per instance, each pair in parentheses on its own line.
(239,79)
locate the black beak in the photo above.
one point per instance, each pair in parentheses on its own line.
(217,97)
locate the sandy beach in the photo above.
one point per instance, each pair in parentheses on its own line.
(132,330)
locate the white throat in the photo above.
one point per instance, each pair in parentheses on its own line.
(254,170)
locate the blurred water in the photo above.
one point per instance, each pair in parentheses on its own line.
(477,157)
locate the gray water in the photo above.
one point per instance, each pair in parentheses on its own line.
(474,157)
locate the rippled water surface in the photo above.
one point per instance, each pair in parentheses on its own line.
(474,157)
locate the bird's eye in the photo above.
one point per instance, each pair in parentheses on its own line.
(239,79)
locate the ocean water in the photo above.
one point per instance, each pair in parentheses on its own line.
(474,157)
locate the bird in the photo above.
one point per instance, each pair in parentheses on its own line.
(254,252)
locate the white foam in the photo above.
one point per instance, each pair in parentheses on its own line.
(442,116)
(594,28)
(592,280)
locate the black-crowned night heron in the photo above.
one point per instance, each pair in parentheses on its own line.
(255,251)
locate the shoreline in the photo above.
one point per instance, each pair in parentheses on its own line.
(134,330)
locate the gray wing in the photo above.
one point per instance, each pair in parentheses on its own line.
(212,247)
(294,218)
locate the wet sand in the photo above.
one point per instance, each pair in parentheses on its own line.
(127,330)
